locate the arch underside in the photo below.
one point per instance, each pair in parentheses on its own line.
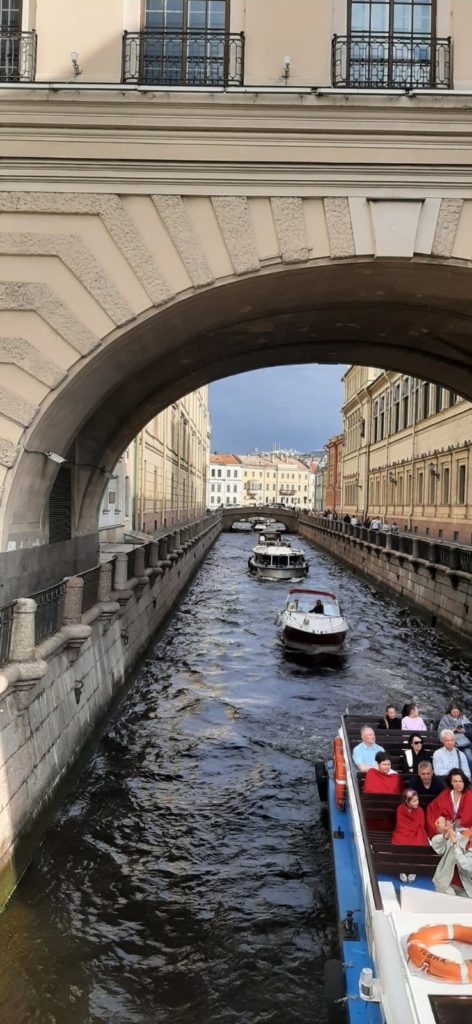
(413,316)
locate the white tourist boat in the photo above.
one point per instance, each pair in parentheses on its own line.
(242,526)
(275,559)
(405,949)
(312,622)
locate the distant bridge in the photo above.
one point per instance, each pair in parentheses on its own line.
(282,515)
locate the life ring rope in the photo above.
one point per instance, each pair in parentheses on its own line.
(440,967)
(339,774)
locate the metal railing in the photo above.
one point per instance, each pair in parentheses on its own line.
(131,561)
(17,55)
(90,592)
(367,60)
(451,556)
(186,58)
(49,611)
(6,621)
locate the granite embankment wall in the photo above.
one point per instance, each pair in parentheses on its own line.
(54,693)
(425,574)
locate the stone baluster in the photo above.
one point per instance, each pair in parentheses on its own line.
(22,642)
(121,571)
(73,600)
(105,581)
(415,547)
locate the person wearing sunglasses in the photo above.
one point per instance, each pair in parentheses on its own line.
(413,754)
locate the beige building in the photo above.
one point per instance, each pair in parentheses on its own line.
(407,456)
(160,479)
(195,188)
(274,477)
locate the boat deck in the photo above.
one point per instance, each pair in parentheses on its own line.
(390,887)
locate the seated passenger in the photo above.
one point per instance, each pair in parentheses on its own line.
(364,753)
(454,803)
(413,754)
(390,719)
(318,608)
(448,756)
(382,778)
(460,725)
(426,782)
(453,874)
(411,718)
(410,825)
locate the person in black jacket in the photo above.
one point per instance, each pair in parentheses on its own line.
(426,782)
(390,719)
(413,754)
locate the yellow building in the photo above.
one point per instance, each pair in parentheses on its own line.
(276,477)
(161,478)
(407,456)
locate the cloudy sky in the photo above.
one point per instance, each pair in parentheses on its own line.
(287,406)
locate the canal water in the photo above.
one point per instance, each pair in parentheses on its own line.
(188,877)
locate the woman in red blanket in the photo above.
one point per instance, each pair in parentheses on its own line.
(410,827)
(454,803)
(382,779)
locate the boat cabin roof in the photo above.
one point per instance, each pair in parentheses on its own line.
(308,590)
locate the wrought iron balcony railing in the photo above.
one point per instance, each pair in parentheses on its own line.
(364,60)
(17,55)
(193,58)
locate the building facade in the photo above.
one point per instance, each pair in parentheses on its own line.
(260,479)
(161,478)
(410,462)
(334,473)
(224,481)
(133,247)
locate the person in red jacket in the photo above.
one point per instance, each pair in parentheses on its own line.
(382,779)
(454,803)
(410,824)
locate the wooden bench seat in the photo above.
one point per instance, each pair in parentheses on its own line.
(394,860)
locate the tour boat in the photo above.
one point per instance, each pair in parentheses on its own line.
(306,631)
(242,526)
(405,949)
(274,559)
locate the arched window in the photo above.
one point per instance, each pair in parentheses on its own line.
(392,44)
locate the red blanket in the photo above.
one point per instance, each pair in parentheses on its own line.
(410,827)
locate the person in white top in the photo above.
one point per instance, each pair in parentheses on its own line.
(375,524)
(411,719)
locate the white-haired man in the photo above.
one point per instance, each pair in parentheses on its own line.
(449,756)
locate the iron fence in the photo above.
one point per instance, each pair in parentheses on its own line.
(465,559)
(424,549)
(6,623)
(17,55)
(49,611)
(186,58)
(90,592)
(367,60)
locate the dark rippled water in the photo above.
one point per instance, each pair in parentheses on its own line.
(188,878)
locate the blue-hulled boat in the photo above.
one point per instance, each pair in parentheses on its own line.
(386,903)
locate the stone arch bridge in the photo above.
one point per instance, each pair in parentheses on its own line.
(158,246)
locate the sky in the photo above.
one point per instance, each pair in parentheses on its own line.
(283,406)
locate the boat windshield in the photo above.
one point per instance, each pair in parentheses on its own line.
(307,604)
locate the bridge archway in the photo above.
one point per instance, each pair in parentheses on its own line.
(125,305)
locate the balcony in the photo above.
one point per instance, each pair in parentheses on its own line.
(205,59)
(365,60)
(17,55)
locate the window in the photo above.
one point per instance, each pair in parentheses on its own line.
(425,400)
(420,488)
(445,485)
(405,401)
(432,489)
(438,400)
(461,476)
(409,484)
(187,42)
(376,421)
(396,409)
(391,44)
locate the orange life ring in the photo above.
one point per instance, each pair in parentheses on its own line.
(422,957)
(339,774)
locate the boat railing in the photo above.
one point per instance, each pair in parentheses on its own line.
(352,770)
